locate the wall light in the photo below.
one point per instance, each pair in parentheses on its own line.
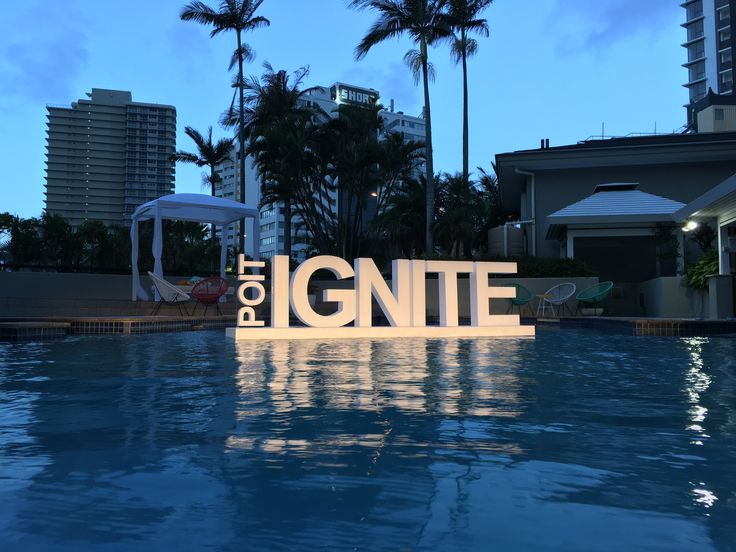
(690,225)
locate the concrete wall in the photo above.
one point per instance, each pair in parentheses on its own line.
(30,294)
(665,297)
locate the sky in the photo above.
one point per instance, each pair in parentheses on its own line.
(556,69)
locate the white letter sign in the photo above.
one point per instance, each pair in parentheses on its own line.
(346,311)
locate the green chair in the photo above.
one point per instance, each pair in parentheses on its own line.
(523,297)
(594,296)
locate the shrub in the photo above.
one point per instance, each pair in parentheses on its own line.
(707,266)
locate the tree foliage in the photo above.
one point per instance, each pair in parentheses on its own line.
(50,243)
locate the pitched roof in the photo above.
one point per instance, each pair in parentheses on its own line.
(617,202)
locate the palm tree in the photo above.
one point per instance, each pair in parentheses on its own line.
(425,22)
(209,154)
(277,122)
(238,16)
(463,18)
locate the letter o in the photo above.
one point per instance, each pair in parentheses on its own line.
(260,293)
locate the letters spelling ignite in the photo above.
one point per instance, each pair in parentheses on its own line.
(404,304)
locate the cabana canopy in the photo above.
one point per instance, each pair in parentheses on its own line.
(191,207)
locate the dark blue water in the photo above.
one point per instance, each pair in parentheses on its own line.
(573,441)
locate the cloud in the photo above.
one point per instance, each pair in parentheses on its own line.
(46,52)
(599,24)
(191,48)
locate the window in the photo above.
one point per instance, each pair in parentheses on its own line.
(719,114)
(268,241)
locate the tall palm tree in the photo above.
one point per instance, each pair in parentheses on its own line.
(464,19)
(425,22)
(276,122)
(238,16)
(209,154)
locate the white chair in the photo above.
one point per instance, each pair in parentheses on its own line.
(168,293)
(557,296)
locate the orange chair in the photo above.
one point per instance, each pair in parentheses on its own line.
(208,292)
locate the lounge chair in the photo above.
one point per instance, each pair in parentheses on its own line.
(208,292)
(523,297)
(557,296)
(170,294)
(594,296)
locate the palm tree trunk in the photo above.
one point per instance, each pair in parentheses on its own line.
(212,184)
(241,141)
(429,173)
(466,172)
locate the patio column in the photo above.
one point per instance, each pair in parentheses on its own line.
(723,255)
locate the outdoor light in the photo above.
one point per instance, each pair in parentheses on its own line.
(374,194)
(690,225)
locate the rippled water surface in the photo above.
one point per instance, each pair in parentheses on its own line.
(573,441)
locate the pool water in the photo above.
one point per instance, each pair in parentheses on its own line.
(575,440)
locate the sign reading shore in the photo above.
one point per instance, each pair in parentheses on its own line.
(404,304)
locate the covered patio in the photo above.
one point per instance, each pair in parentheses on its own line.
(615,230)
(188,207)
(717,207)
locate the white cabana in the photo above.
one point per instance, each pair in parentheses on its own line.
(191,207)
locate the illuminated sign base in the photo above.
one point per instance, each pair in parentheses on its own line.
(378,332)
(404,304)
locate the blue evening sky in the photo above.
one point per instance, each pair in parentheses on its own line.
(551,69)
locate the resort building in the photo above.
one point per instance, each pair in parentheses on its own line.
(603,201)
(709,44)
(272,230)
(106,155)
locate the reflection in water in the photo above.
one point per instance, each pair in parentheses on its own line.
(575,441)
(697,383)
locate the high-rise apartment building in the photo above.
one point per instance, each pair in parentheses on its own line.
(107,155)
(272,229)
(709,46)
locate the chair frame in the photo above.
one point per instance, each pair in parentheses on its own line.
(216,301)
(516,302)
(179,297)
(595,302)
(559,302)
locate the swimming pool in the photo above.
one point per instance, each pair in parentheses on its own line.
(573,441)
